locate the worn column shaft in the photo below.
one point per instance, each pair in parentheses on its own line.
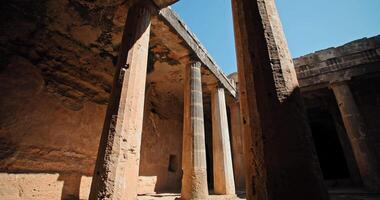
(280,157)
(117,166)
(194,180)
(364,153)
(237,146)
(222,160)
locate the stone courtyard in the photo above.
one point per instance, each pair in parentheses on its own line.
(119,100)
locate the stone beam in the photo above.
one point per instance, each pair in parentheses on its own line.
(356,58)
(324,79)
(117,166)
(174,22)
(280,157)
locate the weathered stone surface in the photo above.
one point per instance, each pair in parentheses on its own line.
(356,63)
(23,118)
(222,159)
(41,139)
(117,167)
(237,144)
(85,34)
(35,186)
(364,152)
(194,179)
(237,140)
(73,45)
(341,63)
(164,3)
(196,48)
(281,161)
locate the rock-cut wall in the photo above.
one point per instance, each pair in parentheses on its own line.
(56,66)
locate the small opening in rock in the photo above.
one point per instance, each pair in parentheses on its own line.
(173,163)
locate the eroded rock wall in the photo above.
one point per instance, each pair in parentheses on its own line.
(56,67)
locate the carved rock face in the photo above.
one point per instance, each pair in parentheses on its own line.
(164,3)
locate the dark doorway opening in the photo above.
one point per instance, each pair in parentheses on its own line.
(208,142)
(328,147)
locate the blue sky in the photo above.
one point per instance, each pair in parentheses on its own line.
(309,25)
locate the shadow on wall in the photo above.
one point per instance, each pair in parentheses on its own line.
(47,150)
(52,186)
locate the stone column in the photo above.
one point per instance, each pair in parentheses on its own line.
(194,180)
(222,160)
(365,156)
(346,145)
(117,165)
(237,146)
(281,162)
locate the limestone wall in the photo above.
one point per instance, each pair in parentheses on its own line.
(41,140)
(56,67)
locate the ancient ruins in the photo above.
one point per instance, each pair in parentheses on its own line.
(119,100)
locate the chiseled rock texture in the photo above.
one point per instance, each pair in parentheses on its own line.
(357,63)
(56,70)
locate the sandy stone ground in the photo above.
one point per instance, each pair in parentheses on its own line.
(353,194)
(335,195)
(172,196)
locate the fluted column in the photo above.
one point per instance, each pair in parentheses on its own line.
(281,162)
(117,165)
(365,156)
(237,146)
(194,179)
(222,160)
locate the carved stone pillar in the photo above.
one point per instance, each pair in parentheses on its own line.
(281,162)
(237,146)
(117,165)
(194,180)
(365,156)
(222,160)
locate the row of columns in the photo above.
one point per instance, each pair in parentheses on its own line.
(367,161)
(194,180)
(280,161)
(117,165)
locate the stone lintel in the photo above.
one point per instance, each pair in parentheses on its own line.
(341,75)
(171,18)
(352,59)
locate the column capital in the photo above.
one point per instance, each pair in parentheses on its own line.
(195,63)
(333,84)
(149,5)
(340,80)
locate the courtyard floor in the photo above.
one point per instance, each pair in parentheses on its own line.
(344,194)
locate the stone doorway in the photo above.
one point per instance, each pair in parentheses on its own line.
(327,144)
